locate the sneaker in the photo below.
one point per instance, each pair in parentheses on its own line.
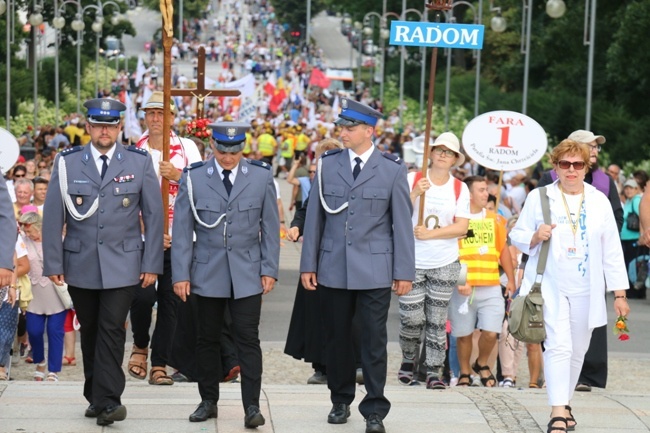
(318,378)
(434,382)
(453,381)
(476,381)
(507,383)
(180,377)
(405,373)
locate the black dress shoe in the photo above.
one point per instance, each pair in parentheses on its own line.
(111,414)
(253,417)
(206,410)
(91,412)
(374,424)
(339,414)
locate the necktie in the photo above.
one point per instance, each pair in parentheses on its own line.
(226,181)
(357,168)
(104,158)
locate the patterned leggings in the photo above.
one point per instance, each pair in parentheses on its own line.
(427,304)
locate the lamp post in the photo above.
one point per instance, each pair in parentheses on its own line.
(348,21)
(554,9)
(476,54)
(422,16)
(358,27)
(590,10)
(8,8)
(35,20)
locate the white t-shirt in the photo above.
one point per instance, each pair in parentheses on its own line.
(441,207)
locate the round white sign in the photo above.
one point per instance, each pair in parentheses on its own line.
(9,150)
(504,140)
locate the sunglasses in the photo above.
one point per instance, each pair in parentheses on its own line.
(19,175)
(312,171)
(25,225)
(578,165)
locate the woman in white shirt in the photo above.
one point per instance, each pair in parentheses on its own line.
(585,260)
(446,218)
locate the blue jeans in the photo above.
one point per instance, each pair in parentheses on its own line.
(36,328)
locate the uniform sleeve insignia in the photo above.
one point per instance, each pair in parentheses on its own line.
(194,165)
(71,150)
(331,152)
(259,163)
(137,150)
(392,157)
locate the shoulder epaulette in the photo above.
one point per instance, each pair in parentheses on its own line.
(137,150)
(331,152)
(71,150)
(194,165)
(259,163)
(392,157)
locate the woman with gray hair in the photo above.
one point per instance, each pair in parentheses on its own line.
(46,309)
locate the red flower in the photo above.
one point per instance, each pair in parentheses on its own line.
(624,337)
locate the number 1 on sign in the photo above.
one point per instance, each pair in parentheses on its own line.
(505,136)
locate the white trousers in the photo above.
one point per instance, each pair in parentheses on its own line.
(567,341)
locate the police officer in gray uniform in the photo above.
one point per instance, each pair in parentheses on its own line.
(8,234)
(358,244)
(230,203)
(100,192)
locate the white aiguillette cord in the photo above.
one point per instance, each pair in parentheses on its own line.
(63,185)
(320,192)
(190,193)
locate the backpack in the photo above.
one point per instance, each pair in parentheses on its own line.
(457,184)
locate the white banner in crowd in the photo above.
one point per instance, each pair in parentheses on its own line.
(505,140)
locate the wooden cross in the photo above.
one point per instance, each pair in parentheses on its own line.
(200,92)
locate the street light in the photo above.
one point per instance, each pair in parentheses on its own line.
(358,26)
(557,8)
(10,38)
(422,16)
(35,19)
(476,54)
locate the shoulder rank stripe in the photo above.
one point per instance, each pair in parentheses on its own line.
(259,163)
(137,150)
(194,165)
(331,152)
(392,157)
(71,150)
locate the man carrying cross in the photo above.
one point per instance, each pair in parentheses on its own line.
(182,152)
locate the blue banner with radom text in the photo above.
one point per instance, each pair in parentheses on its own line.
(425,34)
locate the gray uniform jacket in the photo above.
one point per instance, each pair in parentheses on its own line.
(106,250)
(244,246)
(369,244)
(8,228)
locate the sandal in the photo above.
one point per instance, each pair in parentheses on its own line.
(484,380)
(553,420)
(464,376)
(52,377)
(138,366)
(569,419)
(39,376)
(159,376)
(533,385)
(69,360)
(405,373)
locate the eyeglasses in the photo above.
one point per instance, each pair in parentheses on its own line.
(312,171)
(19,175)
(440,151)
(597,147)
(564,165)
(42,165)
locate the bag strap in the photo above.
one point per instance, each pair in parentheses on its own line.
(543,255)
